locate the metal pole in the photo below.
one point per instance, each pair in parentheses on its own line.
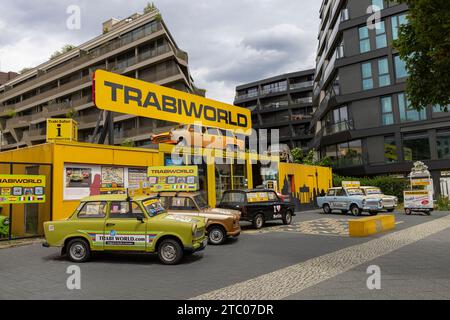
(10,207)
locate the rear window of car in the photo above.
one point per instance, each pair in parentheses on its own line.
(331,192)
(233,197)
(181,203)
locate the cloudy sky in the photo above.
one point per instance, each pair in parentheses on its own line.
(230,42)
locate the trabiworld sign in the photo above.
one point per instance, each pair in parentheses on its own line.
(122,94)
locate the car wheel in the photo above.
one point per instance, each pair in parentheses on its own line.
(287,218)
(408,211)
(78,250)
(390,210)
(258,221)
(355,210)
(326,208)
(170,251)
(216,235)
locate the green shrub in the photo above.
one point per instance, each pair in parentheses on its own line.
(443,203)
(388,185)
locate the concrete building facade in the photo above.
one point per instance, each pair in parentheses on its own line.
(140,46)
(282,102)
(363,120)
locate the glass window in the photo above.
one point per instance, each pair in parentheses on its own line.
(93,210)
(443,144)
(182,203)
(233,197)
(384,78)
(340,192)
(396,22)
(438,108)
(364,40)
(416,147)
(380,39)
(273,196)
(400,68)
(331,192)
(406,112)
(387,115)
(120,209)
(390,150)
(378,3)
(367,81)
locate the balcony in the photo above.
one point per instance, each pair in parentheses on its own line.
(83,58)
(274,90)
(246,95)
(307,100)
(301,85)
(346,162)
(338,127)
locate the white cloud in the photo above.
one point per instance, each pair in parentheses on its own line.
(229,42)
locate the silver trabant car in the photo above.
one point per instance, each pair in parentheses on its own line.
(349,199)
(389,202)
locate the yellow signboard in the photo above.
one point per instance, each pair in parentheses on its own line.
(420,182)
(351,184)
(62,130)
(173,178)
(122,94)
(16,188)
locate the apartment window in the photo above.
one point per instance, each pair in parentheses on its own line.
(416,147)
(380,39)
(384,79)
(443,144)
(378,3)
(438,108)
(396,22)
(406,112)
(390,149)
(367,80)
(387,115)
(340,50)
(400,68)
(344,14)
(364,40)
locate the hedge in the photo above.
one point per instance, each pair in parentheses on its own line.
(389,185)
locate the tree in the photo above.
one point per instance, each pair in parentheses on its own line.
(424,45)
(150,7)
(310,158)
(64,49)
(127,143)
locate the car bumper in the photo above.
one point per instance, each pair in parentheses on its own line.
(372,208)
(198,246)
(234,233)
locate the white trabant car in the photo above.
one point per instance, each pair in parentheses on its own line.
(389,202)
(349,199)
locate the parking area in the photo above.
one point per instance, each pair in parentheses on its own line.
(302,260)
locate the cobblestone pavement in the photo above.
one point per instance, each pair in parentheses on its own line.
(34,272)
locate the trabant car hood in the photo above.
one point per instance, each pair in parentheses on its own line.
(230,212)
(182,218)
(380,196)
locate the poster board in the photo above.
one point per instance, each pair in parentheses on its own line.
(174,178)
(17,189)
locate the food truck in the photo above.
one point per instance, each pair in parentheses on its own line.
(420,196)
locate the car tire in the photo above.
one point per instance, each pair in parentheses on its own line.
(216,235)
(170,252)
(78,250)
(408,211)
(258,221)
(287,219)
(354,210)
(326,208)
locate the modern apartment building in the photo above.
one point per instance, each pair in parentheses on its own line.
(282,102)
(363,120)
(140,47)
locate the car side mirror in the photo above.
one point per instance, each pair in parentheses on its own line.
(140,217)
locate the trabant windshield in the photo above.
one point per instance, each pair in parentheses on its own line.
(373,191)
(355,192)
(201,203)
(153,207)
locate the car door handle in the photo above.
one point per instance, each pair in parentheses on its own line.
(110,224)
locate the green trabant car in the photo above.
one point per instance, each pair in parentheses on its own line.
(121,223)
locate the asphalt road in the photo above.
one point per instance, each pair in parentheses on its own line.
(34,272)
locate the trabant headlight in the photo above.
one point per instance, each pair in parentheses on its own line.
(395,201)
(380,202)
(6,222)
